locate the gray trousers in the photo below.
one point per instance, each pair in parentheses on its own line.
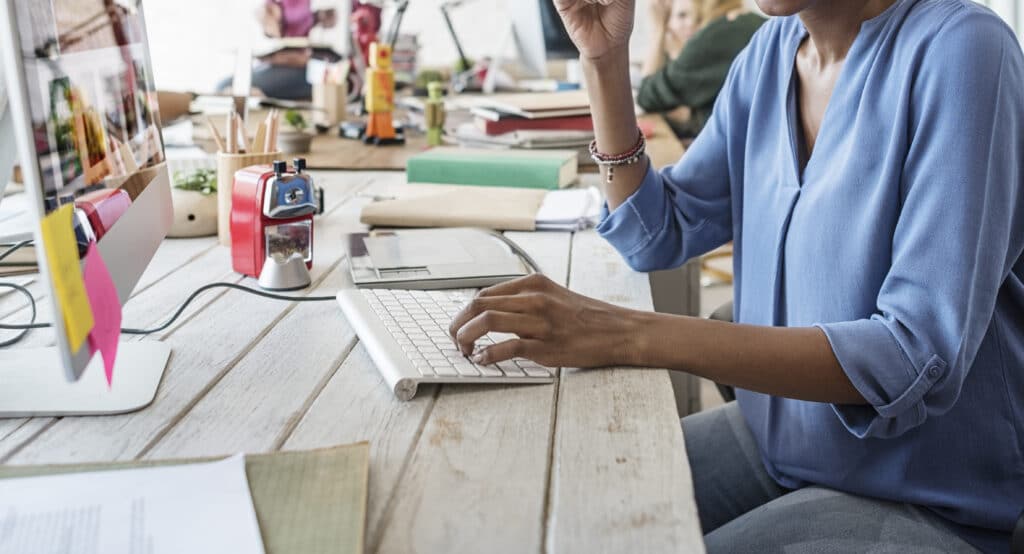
(742,509)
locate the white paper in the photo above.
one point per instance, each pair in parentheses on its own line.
(569,210)
(195,508)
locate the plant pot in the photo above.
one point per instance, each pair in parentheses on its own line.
(294,142)
(195,214)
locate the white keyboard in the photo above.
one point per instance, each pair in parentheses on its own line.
(406,335)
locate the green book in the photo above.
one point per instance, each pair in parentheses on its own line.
(536,169)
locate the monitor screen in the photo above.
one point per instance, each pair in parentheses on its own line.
(91,96)
(556,39)
(8,148)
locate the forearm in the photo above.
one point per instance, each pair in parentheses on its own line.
(611,101)
(780,361)
(656,56)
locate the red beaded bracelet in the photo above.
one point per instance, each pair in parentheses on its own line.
(611,161)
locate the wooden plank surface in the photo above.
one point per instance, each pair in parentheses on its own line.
(482,458)
(592,463)
(330,151)
(255,406)
(620,477)
(235,322)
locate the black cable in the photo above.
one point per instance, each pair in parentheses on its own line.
(14,248)
(32,304)
(205,288)
(181,309)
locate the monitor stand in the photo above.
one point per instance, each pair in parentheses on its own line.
(33,383)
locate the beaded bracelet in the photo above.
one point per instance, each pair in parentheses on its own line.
(610,161)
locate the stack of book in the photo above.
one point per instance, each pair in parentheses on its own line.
(536,121)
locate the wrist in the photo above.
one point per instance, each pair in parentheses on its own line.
(612,59)
(635,340)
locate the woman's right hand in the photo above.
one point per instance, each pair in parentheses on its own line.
(597,27)
(659,11)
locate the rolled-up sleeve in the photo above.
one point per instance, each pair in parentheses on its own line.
(685,210)
(960,231)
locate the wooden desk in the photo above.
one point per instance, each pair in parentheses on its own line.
(592,463)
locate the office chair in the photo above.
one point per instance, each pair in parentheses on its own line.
(724,313)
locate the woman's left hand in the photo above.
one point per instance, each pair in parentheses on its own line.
(554,326)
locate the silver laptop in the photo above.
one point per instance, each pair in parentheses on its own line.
(426,259)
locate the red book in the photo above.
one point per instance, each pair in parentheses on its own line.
(507,125)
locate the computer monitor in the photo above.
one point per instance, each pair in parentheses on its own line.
(8,151)
(540,35)
(86,125)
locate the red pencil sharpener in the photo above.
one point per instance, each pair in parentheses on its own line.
(272,211)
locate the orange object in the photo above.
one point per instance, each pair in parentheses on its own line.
(380,97)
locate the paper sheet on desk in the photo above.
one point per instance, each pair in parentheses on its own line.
(569,210)
(195,508)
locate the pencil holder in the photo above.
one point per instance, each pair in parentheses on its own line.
(227,165)
(329,99)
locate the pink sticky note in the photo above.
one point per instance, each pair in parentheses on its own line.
(106,310)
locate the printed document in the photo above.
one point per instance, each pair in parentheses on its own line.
(195,508)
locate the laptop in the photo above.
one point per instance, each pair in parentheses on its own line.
(430,259)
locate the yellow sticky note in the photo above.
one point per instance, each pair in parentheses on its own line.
(66,273)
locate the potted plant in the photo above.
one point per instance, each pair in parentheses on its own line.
(296,139)
(194,197)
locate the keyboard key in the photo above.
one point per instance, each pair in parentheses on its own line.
(445,370)
(489,371)
(510,369)
(536,372)
(425,370)
(466,369)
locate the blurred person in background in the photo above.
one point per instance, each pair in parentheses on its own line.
(282,73)
(694,43)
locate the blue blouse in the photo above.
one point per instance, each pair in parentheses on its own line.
(901,239)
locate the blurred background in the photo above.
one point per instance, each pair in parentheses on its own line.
(194,43)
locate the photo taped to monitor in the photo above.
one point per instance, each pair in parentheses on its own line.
(93,105)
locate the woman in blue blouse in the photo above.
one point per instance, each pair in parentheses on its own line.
(865,156)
